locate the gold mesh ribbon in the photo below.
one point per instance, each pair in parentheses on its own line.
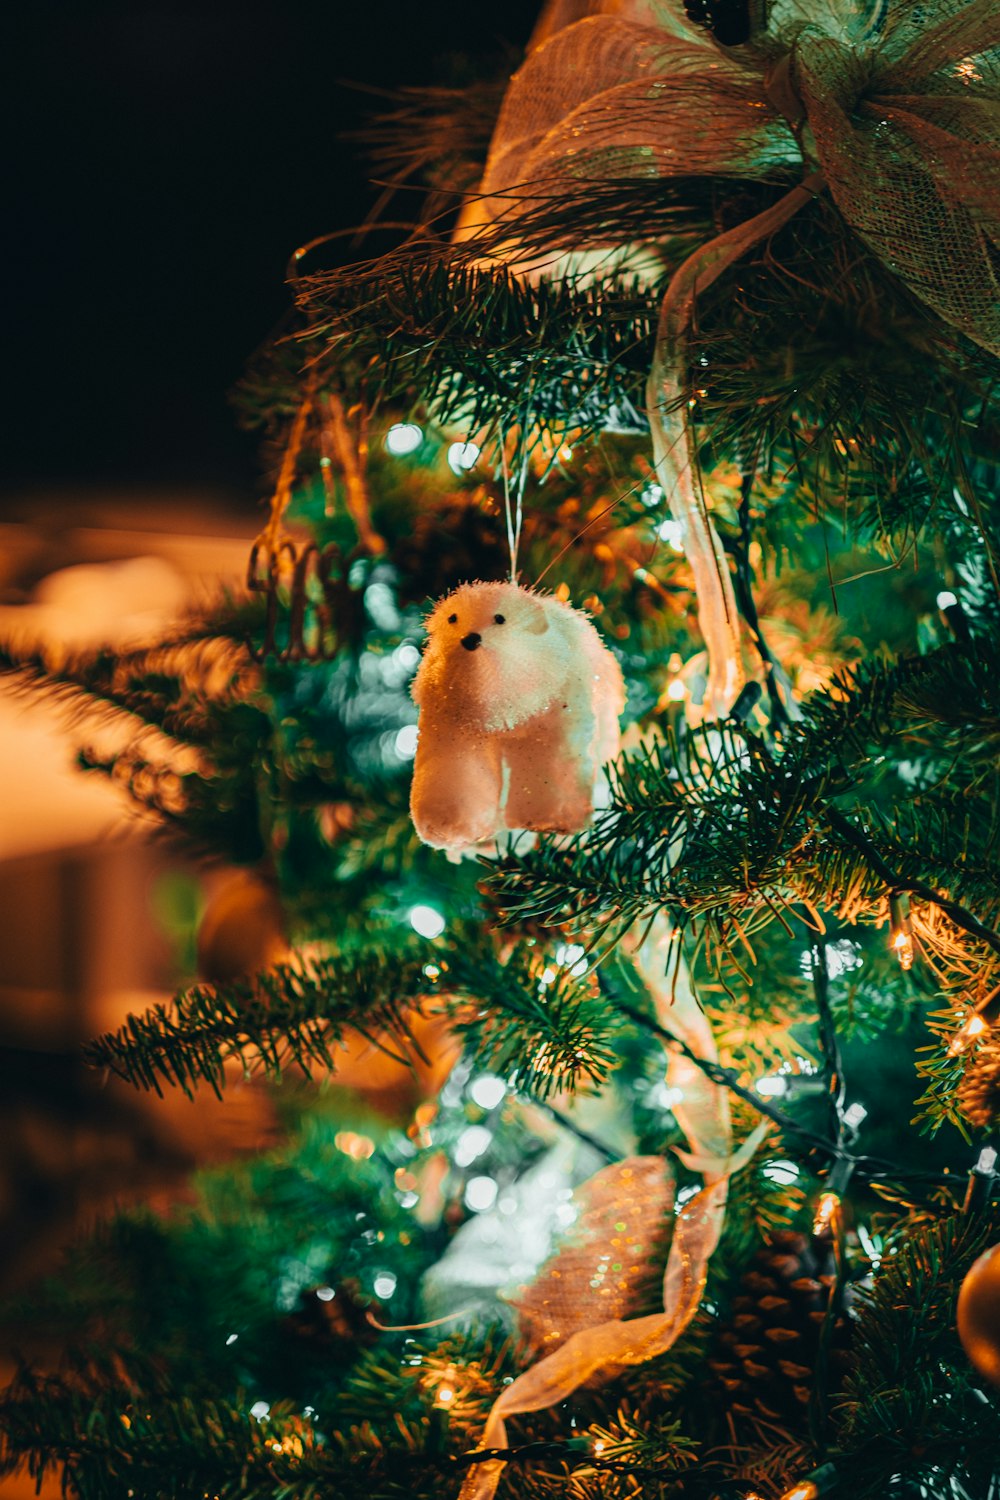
(893,107)
(634,1193)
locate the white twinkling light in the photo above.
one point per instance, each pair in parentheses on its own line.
(987,1159)
(406,742)
(652,496)
(854,1114)
(403,437)
(570,956)
(487,1090)
(325,1293)
(772,1086)
(946,599)
(462,456)
(472,1143)
(684,1196)
(669,531)
(407,655)
(480,1194)
(385,1283)
(260,1410)
(784,1173)
(676,690)
(842,955)
(427,921)
(232,1339)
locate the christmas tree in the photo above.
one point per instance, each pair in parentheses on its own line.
(637,1066)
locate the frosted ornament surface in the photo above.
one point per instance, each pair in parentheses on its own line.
(519,702)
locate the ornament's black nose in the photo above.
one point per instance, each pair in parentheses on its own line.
(471,641)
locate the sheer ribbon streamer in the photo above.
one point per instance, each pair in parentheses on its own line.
(605,1349)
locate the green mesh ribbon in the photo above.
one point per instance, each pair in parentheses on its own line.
(898,106)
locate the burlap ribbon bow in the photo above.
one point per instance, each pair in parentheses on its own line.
(894,107)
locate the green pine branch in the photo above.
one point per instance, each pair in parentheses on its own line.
(914,1407)
(728,831)
(547,1034)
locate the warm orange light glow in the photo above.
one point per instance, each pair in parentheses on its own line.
(966,1035)
(804,1490)
(357,1147)
(903,946)
(825,1210)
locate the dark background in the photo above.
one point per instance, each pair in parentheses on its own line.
(164,160)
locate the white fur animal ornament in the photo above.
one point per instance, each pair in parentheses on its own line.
(519,702)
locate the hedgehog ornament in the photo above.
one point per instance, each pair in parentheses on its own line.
(519,702)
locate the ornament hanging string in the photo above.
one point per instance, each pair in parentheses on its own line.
(514,516)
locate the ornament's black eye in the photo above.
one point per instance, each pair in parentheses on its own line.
(452,619)
(499,619)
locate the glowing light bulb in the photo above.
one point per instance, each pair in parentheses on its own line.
(471,1144)
(403,438)
(427,921)
(487,1090)
(899,926)
(384,1284)
(804,1490)
(903,945)
(825,1210)
(966,1035)
(669,531)
(325,1293)
(773,1086)
(260,1410)
(406,742)
(463,456)
(676,691)
(946,599)
(987,1159)
(445,1395)
(480,1194)
(854,1115)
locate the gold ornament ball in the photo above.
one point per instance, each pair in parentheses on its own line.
(979,1314)
(242,930)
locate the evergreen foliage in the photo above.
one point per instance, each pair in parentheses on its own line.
(843,817)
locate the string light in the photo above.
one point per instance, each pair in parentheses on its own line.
(967,1034)
(403,438)
(986,1013)
(427,921)
(826,1208)
(829,1203)
(772,1086)
(462,457)
(901,931)
(979,1190)
(820,1482)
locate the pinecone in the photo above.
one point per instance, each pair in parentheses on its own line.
(765,1359)
(979,1092)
